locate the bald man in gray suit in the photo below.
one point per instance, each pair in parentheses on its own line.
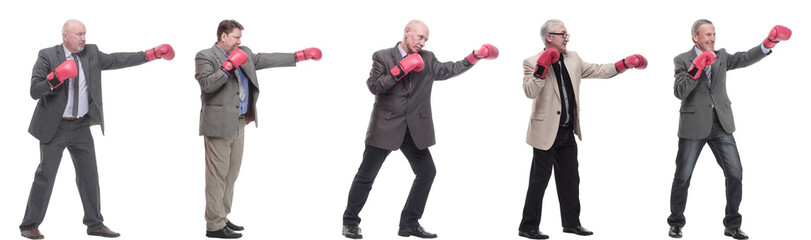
(401,80)
(66,108)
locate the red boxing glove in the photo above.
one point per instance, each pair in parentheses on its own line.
(633,61)
(703,60)
(487,51)
(547,58)
(307,54)
(164,51)
(778,33)
(67,69)
(412,62)
(237,57)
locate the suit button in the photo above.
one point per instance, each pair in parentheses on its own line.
(558,112)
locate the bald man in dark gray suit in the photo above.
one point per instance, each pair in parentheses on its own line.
(401,80)
(66,108)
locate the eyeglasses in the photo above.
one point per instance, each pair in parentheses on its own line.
(564,35)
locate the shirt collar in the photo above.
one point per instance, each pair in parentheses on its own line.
(402,52)
(698,51)
(223,51)
(67,52)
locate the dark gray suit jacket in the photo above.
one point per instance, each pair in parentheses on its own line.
(398,106)
(51,104)
(219,93)
(698,97)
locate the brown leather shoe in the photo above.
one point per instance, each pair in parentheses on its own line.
(32,233)
(103,231)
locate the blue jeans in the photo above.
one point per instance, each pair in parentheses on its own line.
(725,149)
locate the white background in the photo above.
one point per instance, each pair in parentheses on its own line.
(300,162)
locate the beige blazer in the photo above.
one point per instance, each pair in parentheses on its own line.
(545,118)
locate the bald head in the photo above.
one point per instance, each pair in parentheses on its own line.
(73,33)
(415,36)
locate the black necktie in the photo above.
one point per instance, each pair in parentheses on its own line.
(564,94)
(75,82)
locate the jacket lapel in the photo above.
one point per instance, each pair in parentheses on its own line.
(703,78)
(395,54)
(60,54)
(551,75)
(716,66)
(570,62)
(218,54)
(85,62)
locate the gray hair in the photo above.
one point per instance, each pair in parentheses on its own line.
(548,26)
(698,24)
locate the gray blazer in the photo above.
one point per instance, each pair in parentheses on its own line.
(398,106)
(698,96)
(219,93)
(51,103)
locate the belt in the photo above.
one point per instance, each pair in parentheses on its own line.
(69,118)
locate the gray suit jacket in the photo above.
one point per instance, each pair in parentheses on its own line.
(51,103)
(399,106)
(219,93)
(698,97)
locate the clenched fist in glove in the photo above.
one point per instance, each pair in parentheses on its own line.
(487,51)
(547,58)
(164,51)
(64,71)
(307,54)
(236,58)
(778,33)
(633,61)
(703,60)
(412,62)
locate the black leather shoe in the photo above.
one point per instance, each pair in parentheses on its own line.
(416,231)
(533,234)
(735,233)
(351,231)
(233,226)
(579,230)
(225,232)
(675,232)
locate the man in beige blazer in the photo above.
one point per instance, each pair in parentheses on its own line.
(552,80)
(228,93)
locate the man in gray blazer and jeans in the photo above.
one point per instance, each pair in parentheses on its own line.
(401,80)
(228,92)
(706,118)
(66,82)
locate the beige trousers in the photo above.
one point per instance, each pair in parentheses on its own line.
(223,160)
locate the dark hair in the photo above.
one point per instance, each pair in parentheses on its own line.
(227,26)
